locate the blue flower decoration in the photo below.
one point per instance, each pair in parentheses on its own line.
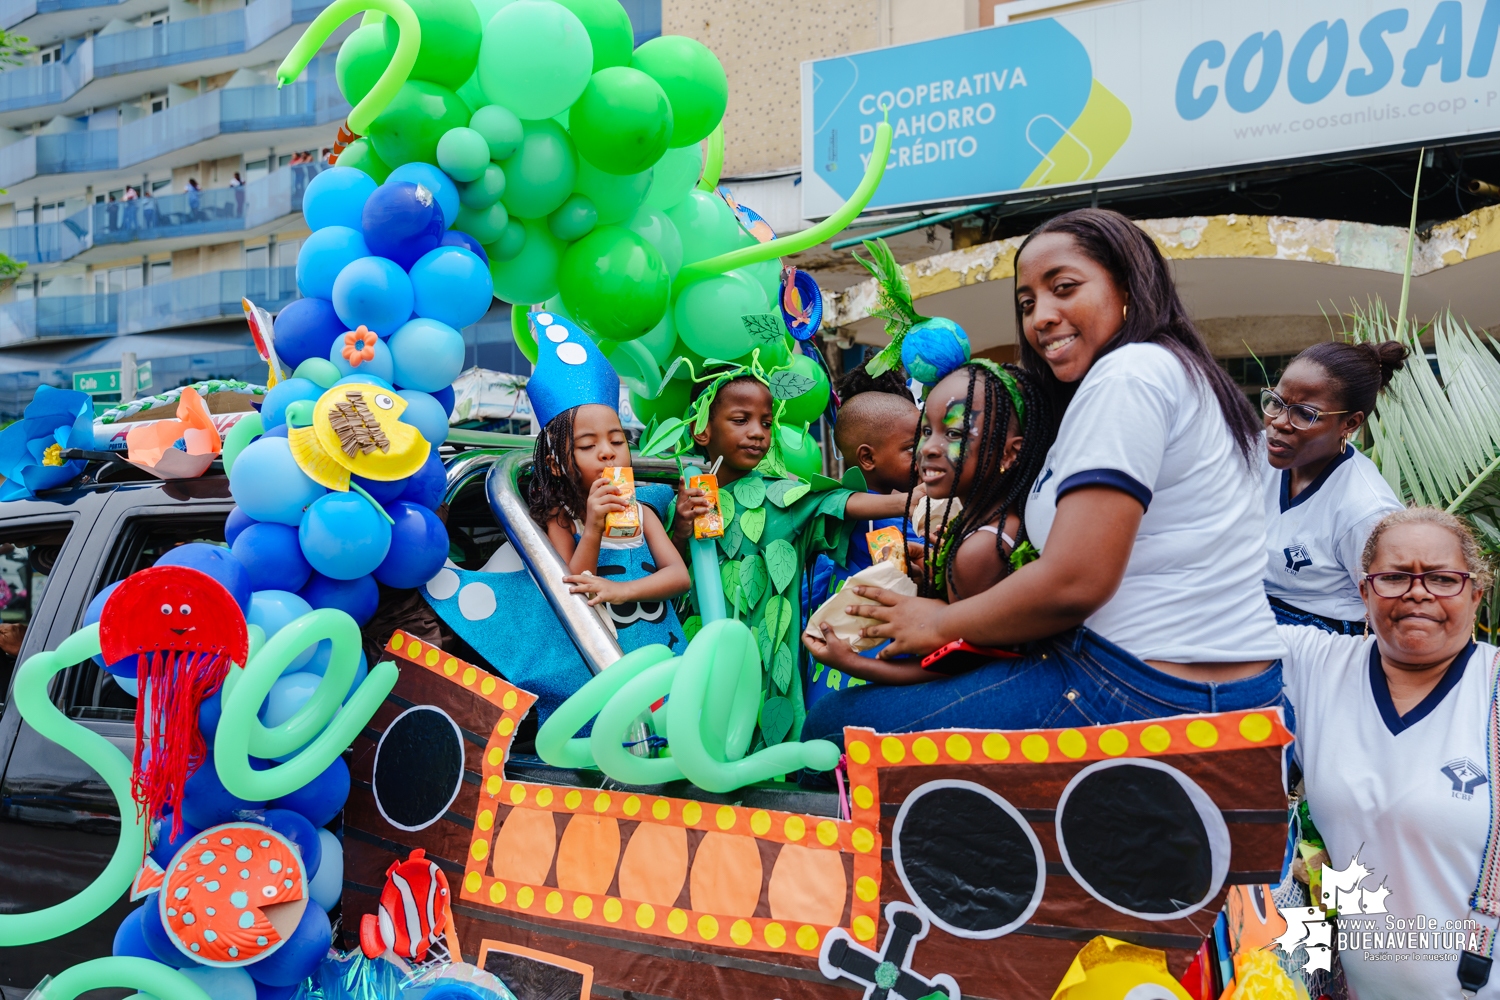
(31,448)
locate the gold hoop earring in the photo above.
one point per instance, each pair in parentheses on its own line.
(1125,311)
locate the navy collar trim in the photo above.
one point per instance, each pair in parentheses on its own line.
(1398,723)
(1288,502)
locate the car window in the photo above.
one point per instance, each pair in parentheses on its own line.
(26,560)
(89,691)
(474,533)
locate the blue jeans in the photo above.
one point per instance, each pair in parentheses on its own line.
(1286,614)
(1076,679)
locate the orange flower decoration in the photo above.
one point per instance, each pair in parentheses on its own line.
(359,346)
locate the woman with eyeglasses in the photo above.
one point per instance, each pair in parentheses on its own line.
(1322,496)
(1392,737)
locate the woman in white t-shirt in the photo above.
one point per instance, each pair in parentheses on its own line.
(1393,742)
(1146,600)
(1322,496)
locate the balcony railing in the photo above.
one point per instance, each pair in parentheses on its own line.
(205,298)
(59,316)
(13,12)
(208,37)
(47,242)
(35,86)
(220,210)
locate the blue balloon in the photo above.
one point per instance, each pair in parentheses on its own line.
(267,482)
(459,238)
(433,179)
(218,562)
(91,614)
(384,492)
(320,799)
(206,802)
(304,329)
(209,714)
(427,485)
(279,431)
(155,936)
(264,992)
(426,415)
(238,521)
(324,255)
(356,598)
(284,394)
(320,659)
(166,846)
(130,936)
(445,398)
(367,378)
(372,292)
(402,221)
(294,827)
(223,984)
(343,536)
(380,367)
(272,557)
(453,285)
(273,610)
(336,197)
(427,354)
(327,885)
(286,698)
(304,949)
(419,546)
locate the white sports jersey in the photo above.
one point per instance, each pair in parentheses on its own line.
(1410,795)
(1314,541)
(1192,590)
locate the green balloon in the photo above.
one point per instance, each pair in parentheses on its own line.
(622,121)
(535,59)
(510,243)
(615,283)
(674,176)
(500,128)
(809,406)
(653,226)
(694,82)
(471,93)
(661,340)
(767,274)
(774,355)
(484,224)
(803,457)
(485,191)
(616,196)
(706,225)
(360,155)
(362,58)
(539,175)
(708,314)
(450,41)
(319,371)
(682,350)
(408,130)
(463,154)
(672,401)
(574,219)
(488,9)
(609,28)
(246,429)
(528,276)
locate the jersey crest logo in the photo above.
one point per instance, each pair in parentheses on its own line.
(1465,775)
(1296,557)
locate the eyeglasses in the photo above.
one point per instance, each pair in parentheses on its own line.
(1301,416)
(1437,582)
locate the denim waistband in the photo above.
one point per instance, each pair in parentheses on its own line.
(1191,696)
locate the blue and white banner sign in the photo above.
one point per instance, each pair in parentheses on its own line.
(1146,88)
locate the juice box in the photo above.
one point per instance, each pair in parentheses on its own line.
(710,525)
(887,544)
(623,523)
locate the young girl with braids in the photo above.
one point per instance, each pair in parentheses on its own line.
(984,431)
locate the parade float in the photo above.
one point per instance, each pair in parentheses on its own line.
(298,821)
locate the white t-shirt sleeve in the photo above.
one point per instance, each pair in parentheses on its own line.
(1129,417)
(1351,547)
(1308,649)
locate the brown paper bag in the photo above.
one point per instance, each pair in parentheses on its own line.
(845,625)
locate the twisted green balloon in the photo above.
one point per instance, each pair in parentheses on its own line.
(41,714)
(555,740)
(326,721)
(160,981)
(713,162)
(394,77)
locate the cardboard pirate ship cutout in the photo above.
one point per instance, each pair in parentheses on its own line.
(1003,853)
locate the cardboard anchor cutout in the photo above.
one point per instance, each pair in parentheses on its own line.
(888,974)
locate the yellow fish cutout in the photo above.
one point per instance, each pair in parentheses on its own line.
(313,460)
(359,428)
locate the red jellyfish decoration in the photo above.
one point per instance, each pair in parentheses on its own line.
(184,629)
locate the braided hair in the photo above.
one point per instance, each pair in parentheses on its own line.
(994,492)
(554,490)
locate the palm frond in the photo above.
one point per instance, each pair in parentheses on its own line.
(893,303)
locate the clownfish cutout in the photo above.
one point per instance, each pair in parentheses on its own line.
(184,629)
(356,429)
(413,910)
(233,895)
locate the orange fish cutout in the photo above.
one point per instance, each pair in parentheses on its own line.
(177,449)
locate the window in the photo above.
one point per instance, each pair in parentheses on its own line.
(90,692)
(117,279)
(158,104)
(26,216)
(26,558)
(257,257)
(158,185)
(286,253)
(161,271)
(51,55)
(255,170)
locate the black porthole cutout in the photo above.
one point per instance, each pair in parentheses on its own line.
(1143,838)
(968,859)
(419,768)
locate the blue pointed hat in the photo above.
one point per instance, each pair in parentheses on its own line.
(570,369)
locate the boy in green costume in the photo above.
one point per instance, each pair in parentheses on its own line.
(773,523)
